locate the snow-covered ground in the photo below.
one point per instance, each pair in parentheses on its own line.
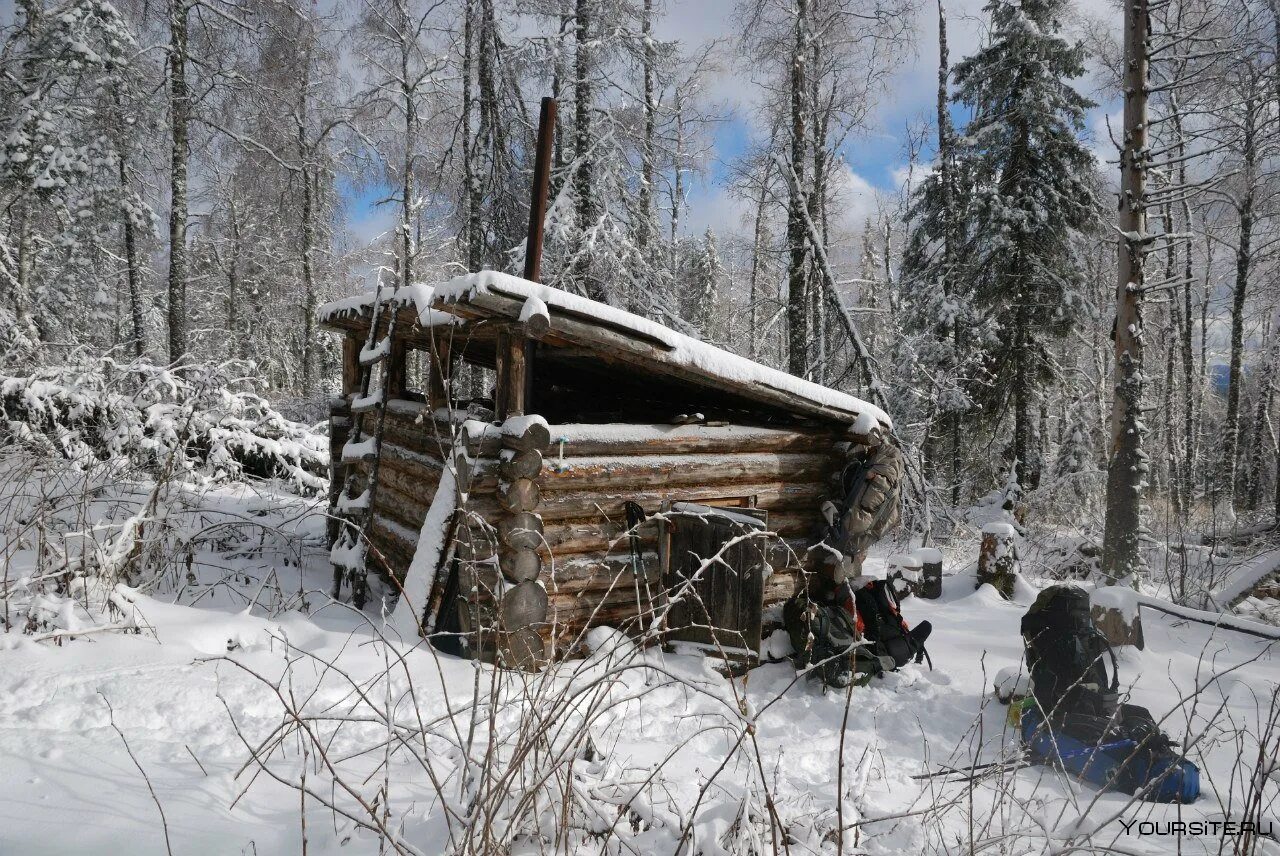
(629,752)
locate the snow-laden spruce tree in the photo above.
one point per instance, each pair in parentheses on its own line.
(1032,200)
(61,200)
(703,289)
(1076,473)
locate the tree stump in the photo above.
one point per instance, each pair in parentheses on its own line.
(998,558)
(1115,613)
(930,572)
(904,575)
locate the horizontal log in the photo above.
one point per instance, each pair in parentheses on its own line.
(514,464)
(670,470)
(389,539)
(521,530)
(407,511)
(522,605)
(536,435)
(685,439)
(417,483)
(601,537)
(428,436)
(571,621)
(519,495)
(408,458)
(590,572)
(802,497)
(520,565)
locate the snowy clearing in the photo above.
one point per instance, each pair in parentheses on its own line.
(642,750)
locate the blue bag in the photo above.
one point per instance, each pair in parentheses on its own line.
(1147,768)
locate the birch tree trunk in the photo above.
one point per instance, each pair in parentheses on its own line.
(406,178)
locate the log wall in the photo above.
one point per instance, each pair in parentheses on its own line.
(588,569)
(556,522)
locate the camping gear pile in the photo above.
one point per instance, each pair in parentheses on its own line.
(841,623)
(1074,717)
(861,632)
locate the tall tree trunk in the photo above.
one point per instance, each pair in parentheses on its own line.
(1127,463)
(945,178)
(133,275)
(1226,489)
(237,338)
(471,186)
(797,269)
(1171,349)
(644,227)
(491,141)
(1261,421)
(757,255)
(1024,469)
(677,185)
(129,235)
(307,160)
(405,267)
(180,117)
(584,174)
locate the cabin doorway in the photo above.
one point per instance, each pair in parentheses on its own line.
(714,565)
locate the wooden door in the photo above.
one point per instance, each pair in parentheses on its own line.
(717,592)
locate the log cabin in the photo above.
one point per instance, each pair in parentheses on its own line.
(533,464)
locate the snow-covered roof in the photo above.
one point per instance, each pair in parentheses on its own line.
(645,344)
(417,295)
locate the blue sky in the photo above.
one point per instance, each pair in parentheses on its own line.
(876,159)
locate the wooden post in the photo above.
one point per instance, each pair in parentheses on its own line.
(541,184)
(395,368)
(904,575)
(438,369)
(351,345)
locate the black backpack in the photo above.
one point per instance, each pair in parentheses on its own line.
(1066,655)
(882,624)
(822,635)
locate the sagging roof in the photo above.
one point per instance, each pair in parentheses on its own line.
(595,336)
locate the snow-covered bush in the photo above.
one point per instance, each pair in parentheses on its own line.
(200,418)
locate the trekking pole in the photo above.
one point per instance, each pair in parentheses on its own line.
(969,771)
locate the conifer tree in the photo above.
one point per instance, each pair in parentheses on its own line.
(1033,198)
(706,271)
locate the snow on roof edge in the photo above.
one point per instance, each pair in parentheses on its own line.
(684,350)
(420,295)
